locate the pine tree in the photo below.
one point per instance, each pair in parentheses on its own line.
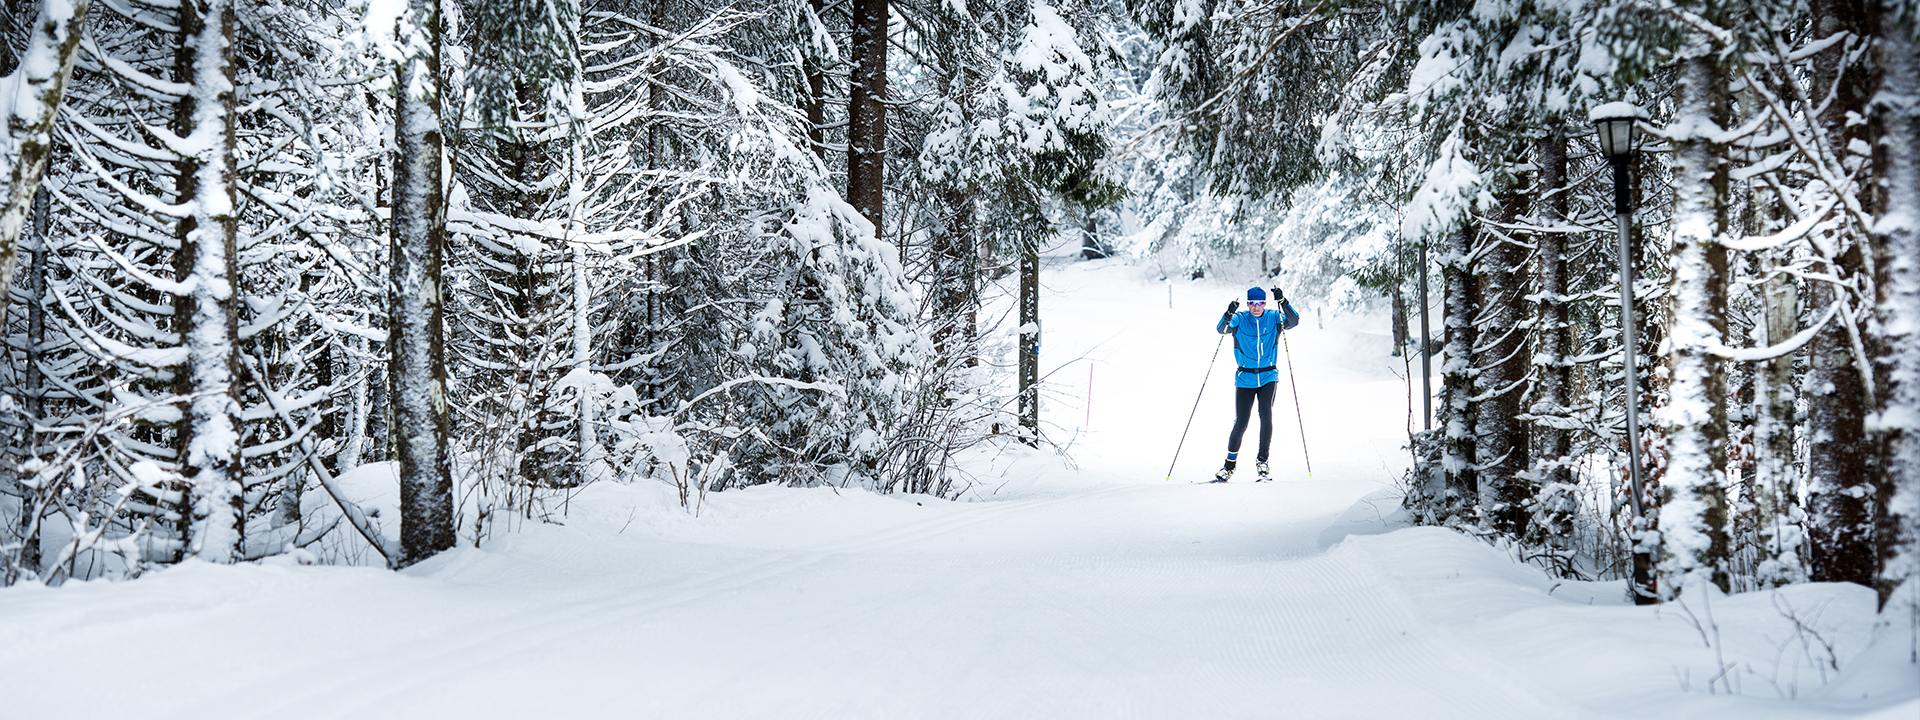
(1840,462)
(416,314)
(1896,128)
(1693,512)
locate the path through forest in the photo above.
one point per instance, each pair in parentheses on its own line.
(1105,593)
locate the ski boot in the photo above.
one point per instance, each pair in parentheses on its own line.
(1260,467)
(1222,475)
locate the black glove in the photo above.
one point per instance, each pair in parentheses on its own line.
(1233,307)
(1278,297)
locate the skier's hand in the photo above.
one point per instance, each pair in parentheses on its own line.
(1233,307)
(1278,297)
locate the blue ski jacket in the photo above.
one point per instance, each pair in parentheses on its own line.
(1256,342)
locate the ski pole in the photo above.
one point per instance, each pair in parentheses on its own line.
(1296,399)
(1196,406)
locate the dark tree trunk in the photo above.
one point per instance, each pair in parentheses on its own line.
(1553,338)
(35,401)
(416,327)
(1499,382)
(867,112)
(1896,129)
(1030,343)
(1090,246)
(957,267)
(817,90)
(1457,406)
(1840,460)
(208,317)
(1694,508)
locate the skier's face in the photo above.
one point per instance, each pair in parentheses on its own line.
(1257,307)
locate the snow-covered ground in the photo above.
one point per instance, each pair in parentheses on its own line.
(1101,592)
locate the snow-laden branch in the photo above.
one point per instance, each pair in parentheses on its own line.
(825,387)
(1233,85)
(1783,349)
(388,549)
(1800,229)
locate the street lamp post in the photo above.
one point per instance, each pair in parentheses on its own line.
(1615,124)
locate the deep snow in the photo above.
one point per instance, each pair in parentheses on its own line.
(1101,592)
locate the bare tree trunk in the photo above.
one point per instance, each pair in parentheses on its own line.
(957,263)
(817,84)
(1030,342)
(416,327)
(1399,317)
(40,82)
(1774,396)
(35,400)
(1553,339)
(1840,460)
(1457,405)
(1500,373)
(867,112)
(1896,128)
(1693,513)
(209,315)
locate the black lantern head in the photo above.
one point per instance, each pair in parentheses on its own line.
(1614,122)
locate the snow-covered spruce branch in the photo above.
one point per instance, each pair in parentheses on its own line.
(1233,85)
(388,549)
(825,387)
(1817,151)
(1777,350)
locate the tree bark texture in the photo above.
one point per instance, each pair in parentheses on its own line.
(817,60)
(1457,404)
(1693,512)
(1840,460)
(1500,376)
(416,325)
(208,314)
(867,112)
(1776,495)
(1895,123)
(1553,338)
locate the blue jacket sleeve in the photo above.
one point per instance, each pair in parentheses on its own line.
(1226,324)
(1292,318)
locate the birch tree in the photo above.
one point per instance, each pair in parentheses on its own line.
(32,93)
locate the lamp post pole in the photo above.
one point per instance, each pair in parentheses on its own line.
(1623,211)
(1615,123)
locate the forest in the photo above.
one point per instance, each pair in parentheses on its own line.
(510,248)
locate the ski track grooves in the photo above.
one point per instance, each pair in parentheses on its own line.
(373,687)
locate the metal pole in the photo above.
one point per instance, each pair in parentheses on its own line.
(1642,584)
(1624,208)
(1196,405)
(1426,344)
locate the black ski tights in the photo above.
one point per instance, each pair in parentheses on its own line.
(1242,402)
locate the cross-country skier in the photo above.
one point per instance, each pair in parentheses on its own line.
(1256,341)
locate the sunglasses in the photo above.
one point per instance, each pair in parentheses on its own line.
(1257,303)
